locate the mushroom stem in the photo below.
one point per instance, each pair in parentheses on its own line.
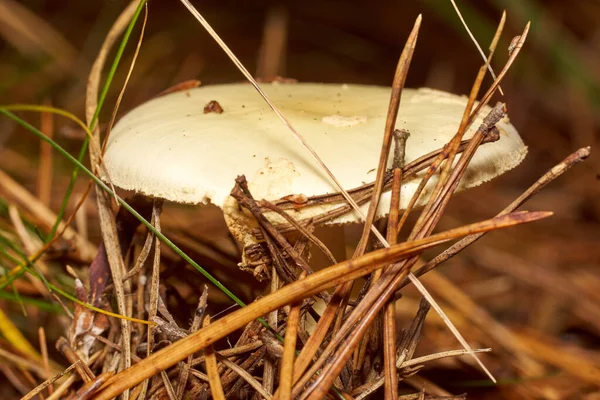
(334,239)
(241,225)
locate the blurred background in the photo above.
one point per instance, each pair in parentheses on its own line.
(538,278)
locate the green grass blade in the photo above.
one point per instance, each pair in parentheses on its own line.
(5,243)
(19,300)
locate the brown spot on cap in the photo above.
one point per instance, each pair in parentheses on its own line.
(213,106)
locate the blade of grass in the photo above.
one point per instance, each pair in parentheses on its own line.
(14,276)
(10,276)
(30,246)
(17,298)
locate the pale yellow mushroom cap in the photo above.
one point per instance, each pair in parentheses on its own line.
(169,148)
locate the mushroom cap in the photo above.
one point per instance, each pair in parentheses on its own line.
(169,148)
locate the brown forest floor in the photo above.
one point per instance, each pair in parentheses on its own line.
(539,280)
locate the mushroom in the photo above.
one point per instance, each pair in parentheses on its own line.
(188,147)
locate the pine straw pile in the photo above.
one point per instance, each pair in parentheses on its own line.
(142,323)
